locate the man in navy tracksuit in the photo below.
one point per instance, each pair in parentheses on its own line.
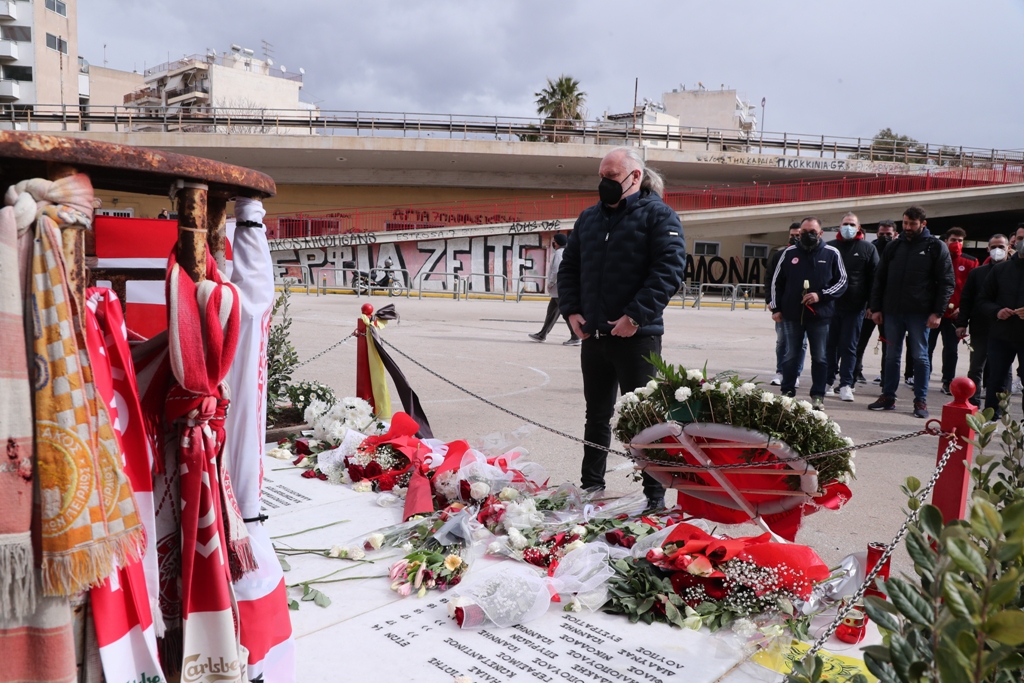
(809,278)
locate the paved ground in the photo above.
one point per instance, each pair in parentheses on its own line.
(483,346)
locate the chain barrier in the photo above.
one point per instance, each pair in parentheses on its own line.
(329,348)
(954,445)
(625,454)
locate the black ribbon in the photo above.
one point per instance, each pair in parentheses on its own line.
(410,401)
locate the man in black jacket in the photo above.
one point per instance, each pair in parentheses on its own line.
(913,284)
(886,233)
(1002,302)
(859,260)
(806,283)
(623,263)
(971,319)
(780,337)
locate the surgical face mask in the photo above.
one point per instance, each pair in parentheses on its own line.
(610,190)
(809,240)
(848,231)
(1019,247)
(997,254)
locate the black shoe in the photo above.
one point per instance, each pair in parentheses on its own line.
(920,409)
(537,337)
(860,378)
(655,503)
(883,402)
(945,389)
(909,381)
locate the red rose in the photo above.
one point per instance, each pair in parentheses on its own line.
(297,460)
(628,541)
(356,473)
(309,474)
(321,476)
(302,447)
(373,469)
(615,537)
(464,488)
(386,482)
(559,540)
(714,588)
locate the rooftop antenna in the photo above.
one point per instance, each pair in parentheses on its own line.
(268,49)
(104,55)
(636,88)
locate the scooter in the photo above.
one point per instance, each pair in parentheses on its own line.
(377,278)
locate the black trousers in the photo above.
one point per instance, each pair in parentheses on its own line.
(946,330)
(551,317)
(1000,359)
(867,328)
(611,365)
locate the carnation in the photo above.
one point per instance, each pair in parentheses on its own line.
(787,403)
(683,394)
(362,486)
(694,375)
(280,453)
(747,388)
(726,387)
(820,416)
(356,554)
(708,387)
(767,398)
(375,540)
(630,398)
(806,406)
(516,539)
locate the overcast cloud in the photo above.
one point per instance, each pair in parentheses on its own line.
(941,71)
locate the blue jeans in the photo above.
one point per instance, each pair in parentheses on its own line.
(913,326)
(843,335)
(816,333)
(780,351)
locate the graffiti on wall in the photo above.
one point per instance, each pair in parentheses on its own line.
(716,270)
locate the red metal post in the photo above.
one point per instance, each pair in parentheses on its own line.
(950,493)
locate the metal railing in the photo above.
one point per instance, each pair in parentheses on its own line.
(289,282)
(521,288)
(506,128)
(749,291)
(460,284)
(728,293)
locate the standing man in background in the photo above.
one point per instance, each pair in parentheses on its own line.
(859,260)
(913,284)
(971,319)
(559,241)
(1002,302)
(963,264)
(886,233)
(623,263)
(780,337)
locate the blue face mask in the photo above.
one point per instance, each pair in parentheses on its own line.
(848,232)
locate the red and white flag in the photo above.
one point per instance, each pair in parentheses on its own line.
(266,629)
(123,607)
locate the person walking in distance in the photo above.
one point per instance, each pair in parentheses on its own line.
(971,320)
(807,281)
(623,263)
(1002,302)
(780,337)
(859,260)
(963,264)
(885,234)
(559,241)
(913,284)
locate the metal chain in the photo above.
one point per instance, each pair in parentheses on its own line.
(625,454)
(329,348)
(954,445)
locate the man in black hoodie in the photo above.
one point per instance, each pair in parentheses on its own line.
(860,260)
(913,284)
(970,317)
(809,278)
(623,263)
(780,337)
(886,233)
(1002,302)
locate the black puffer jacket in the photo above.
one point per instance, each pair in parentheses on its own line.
(970,300)
(860,260)
(624,261)
(914,276)
(1004,288)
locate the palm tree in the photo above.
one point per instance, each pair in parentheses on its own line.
(562,100)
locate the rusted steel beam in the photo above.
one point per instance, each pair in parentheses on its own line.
(191,247)
(72,245)
(216,234)
(122,167)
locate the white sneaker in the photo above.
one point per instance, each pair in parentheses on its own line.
(830,390)
(1016,387)
(845,394)
(797,385)
(777,380)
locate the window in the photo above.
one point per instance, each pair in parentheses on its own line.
(120,213)
(706,248)
(17,73)
(755,251)
(56,43)
(19,34)
(57,6)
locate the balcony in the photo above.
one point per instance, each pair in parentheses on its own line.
(8,51)
(8,10)
(10,91)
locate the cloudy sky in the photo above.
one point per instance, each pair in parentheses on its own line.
(941,71)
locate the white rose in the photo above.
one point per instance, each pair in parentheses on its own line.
(747,388)
(694,375)
(708,387)
(478,490)
(653,385)
(280,454)
(644,391)
(362,486)
(508,493)
(494,548)
(572,546)
(375,540)
(805,405)
(767,398)
(578,530)
(683,394)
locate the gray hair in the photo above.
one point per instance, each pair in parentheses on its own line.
(650,180)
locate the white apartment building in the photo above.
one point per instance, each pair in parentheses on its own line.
(38,53)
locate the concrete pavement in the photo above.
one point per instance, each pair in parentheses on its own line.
(483,346)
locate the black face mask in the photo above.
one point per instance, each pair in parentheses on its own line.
(808,240)
(610,191)
(885,239)
(794,240)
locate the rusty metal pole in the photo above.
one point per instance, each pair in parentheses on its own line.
(191,246)
(72,246)
(216,236)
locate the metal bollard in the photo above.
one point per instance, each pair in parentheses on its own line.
(950,493)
